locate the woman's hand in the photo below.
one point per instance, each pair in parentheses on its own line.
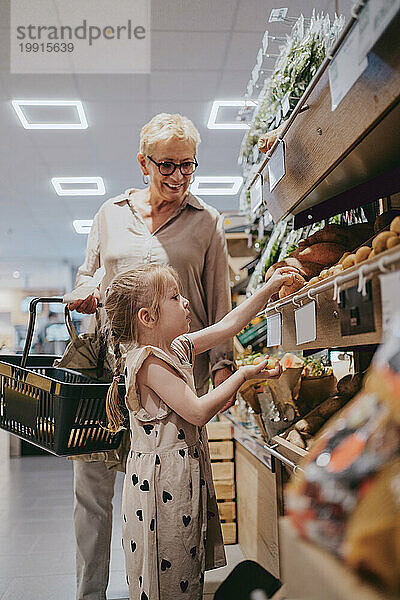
(260,372)
(282,276)
(88,305)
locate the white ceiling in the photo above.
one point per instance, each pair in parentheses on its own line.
(202,50)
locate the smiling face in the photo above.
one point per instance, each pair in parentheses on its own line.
(169,188)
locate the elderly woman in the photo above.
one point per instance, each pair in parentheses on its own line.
(163,223)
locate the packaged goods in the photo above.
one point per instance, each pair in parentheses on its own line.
(347,499)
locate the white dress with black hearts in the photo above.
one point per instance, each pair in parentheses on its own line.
(170,524)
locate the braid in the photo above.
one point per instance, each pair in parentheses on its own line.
(114,414)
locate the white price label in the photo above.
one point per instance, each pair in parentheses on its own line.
(274,330)
(390,289)
(260,58)
(276,166)
(255,74)
(256,196)
(345,69)
(278,116)
(265,41)
(306,323)
(285,105)
(373,19)
(277,14)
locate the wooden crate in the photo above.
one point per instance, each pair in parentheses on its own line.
(223,470)
(229,533)
(221,446)
(221,450)
(227,510)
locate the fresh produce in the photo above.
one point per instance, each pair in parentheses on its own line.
(362,254)
(349,261)
(395,225)
(288,289)
(380,241)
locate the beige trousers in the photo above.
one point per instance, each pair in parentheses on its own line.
(94,491)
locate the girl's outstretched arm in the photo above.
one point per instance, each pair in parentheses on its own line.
(238,318)
(157,379)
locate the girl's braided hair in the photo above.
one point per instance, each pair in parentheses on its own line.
(143,287)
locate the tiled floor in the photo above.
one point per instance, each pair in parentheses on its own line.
(37,559)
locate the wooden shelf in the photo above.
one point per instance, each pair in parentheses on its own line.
(328,311)
(328,153)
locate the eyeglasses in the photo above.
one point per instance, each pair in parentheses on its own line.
(167,167)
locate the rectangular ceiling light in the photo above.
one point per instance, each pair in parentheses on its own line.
(201,186)
(82,226)
(212,124)
(59,184)
(77,104)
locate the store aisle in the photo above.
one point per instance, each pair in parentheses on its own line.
(37,558)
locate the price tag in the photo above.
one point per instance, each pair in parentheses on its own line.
(285,105)
(260,58)
(255,74)
(276,166)
(256,196)
(345,69)
(306,323)
(278,116)
(265,41)
(260,231)
(390,286)
(373,19)
(277,14)
(274,330)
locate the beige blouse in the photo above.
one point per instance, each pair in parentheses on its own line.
(192,241)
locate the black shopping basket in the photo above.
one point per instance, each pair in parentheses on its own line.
(59,410)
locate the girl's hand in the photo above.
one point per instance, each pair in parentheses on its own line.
(87,306)
(260,372)
(282,276)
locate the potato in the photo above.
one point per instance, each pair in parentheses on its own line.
(395,225)
(309,424)
(372,254)
(349,261)
(379,243)
(362,254)
(287,290)
(324,273)
(313,281)
(337,269)
(392,242)
(295,438)
(345,255)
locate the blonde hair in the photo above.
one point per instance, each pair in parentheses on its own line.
(165,126)
(144,287)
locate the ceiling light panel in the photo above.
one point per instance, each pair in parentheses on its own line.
(63,186)
(217,104)
(53,105)
(223,186)
(82,226)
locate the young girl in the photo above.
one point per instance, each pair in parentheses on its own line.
(171,529)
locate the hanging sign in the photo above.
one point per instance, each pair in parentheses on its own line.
(274,330)
(276,166)
(373,19)
(306,323)
(256,197)
(285,105)
(345,68)
(390,286)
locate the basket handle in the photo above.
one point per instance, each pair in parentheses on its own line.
(31,326)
